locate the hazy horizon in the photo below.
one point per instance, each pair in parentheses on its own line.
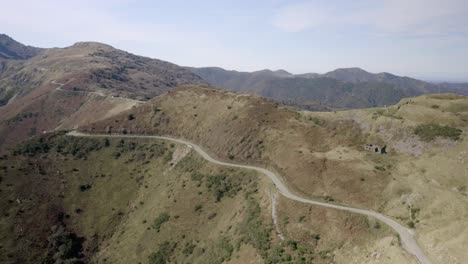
(426,40)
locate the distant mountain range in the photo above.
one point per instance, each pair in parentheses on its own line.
(43,89)
(339,89)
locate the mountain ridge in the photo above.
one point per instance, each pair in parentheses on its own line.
(65,87)
(12,49)
(346,88)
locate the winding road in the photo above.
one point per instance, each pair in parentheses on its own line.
(406,235)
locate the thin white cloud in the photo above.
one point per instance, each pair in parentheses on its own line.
(78,20)
(415,17)
(302,16)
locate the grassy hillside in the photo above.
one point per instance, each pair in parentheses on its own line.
(322,155)
(76,200)
(67,87)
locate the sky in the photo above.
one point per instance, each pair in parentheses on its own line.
(426,39)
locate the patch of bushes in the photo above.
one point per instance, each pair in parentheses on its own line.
(317,121)
(126,146)
(225,250)
(253,230)
(190,163)
(198,207)
(160,220)
(85,187)
(278,255)
(33,147)
(163,254)
(78,147)
(64,247)
(379,168)
(428,132)
(223,185)
(197,177)
(188,248)
(22,116)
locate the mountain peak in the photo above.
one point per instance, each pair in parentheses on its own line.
(282,72)
(278,73)
(354,74)
(91,45)
(12,49)
(5,38)
(350,70)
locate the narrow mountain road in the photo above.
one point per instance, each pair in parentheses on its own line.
(60,85)
(406,235)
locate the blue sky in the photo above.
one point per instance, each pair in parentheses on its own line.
(426,39)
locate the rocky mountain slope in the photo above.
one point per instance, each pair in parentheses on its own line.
(339,89)
(82,83)
(326,155)
(11,49)
(108,200)
(59,205)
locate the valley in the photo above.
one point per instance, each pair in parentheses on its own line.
(110,157)
(404,233)
(167,207)
(293,143)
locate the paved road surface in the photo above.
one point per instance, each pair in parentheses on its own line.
(406,235)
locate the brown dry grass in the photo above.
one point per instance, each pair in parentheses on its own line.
(322,155)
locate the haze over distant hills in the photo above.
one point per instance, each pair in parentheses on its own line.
(339,89)
(45,89)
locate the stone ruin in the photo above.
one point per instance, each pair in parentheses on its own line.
(376,148)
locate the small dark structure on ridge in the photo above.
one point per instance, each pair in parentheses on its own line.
(376,148)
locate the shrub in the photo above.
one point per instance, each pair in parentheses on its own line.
(317,121)
(223,185)
(380,168)
(160,220)
(85,187)
(254,231)
(188,248)
(196,176)
(64,247)
(198,207)
(33,147)
(226,249)
(428,132)
(211,216)
(78,147)
(164,252)
(292,244)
